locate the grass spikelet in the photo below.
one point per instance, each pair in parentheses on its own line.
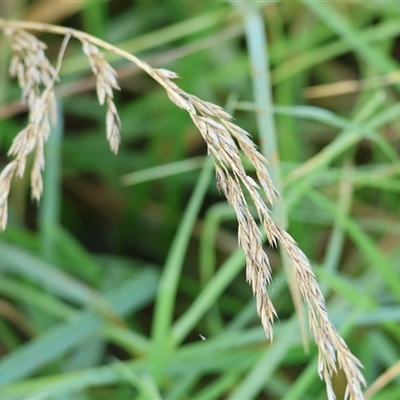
(106,82)
(29,64)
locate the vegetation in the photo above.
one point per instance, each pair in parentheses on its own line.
(126,280)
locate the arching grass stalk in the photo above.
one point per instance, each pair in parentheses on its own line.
(224,139)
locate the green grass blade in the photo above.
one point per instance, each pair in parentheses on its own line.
(128,297)
(354,39)
(51,198)
(373,255)
(168,286)
(18,261)
(267,364)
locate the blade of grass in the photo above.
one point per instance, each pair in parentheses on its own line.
(266,365)
(215,216)
(53,279)
(307,112)
(47,303)
(348,138)
(183,386)
(87,353)
(128,297)
(338,24)
(162,171)
(21,262)
(291,147)
(372,254)
(225,274)
(372,35)
(129,340)
(166,293)
(217,389)
(145,385)
(50,204)
(223,277)
(337,239)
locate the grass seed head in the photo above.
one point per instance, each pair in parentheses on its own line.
(225,142)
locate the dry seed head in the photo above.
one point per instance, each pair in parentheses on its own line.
(36,77)
(224,139)
(258,272)
(29,64)
(33,138)
(106,82)
(225,153)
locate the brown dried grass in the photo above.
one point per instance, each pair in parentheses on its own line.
(224,140)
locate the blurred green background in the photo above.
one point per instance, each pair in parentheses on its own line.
(125,282)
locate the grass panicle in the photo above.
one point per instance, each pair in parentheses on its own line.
(224,140)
